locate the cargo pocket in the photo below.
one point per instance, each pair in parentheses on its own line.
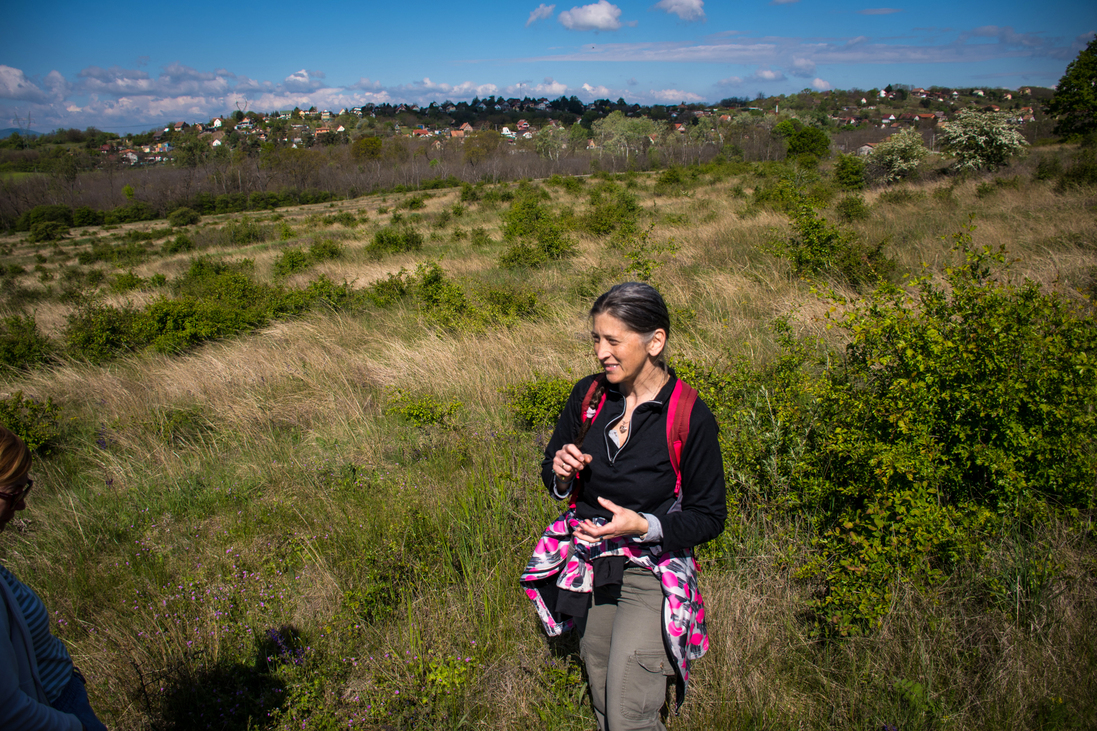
(644,688)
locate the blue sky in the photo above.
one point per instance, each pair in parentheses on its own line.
(130,66)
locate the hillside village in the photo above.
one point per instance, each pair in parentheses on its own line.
(878,112)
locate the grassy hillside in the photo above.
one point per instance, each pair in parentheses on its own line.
(293,476)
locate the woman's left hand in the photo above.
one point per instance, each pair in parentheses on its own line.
(625,522)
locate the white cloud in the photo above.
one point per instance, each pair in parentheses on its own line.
(602,15)
(674,95)
(540,13)
(802,67)
(303,81)
(14,84)
(551,87)
(820,85)
(879,11)
(599,92)
(730,81)
(684,9)
(783,2)
(767,75)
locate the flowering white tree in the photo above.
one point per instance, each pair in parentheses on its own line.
(898,156)
(981,140)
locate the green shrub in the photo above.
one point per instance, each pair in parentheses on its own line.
(391,289)
(423,409)
(292,261)
(958,413)
(443,300)
(178,245)
(41,214)
(173,325)
(98,332)
(507,304)
(818,247)
(325,250)
(853,208)
(126,281)
(900,196)
(42,231)
(184,217)
(395,240)
(414,202)
(537,404)
(242,232)
(610,211)
(849,172)
(479,237)
(523,255)
(21,344)
(36,422)
(87,216)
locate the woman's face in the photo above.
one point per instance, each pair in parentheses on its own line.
(12,498)
(622,352)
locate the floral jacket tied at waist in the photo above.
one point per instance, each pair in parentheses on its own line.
(558,555)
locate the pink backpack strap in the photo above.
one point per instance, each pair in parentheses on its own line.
(585,409)
(679,410)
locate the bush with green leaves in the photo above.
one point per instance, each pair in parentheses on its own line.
(21,343)
(853,208)
(818,247)
(849,172)
(395,240)
(537,404)
(86,216)
(41,214)
(97,332)
(43,231)
(184,216)
(291,261)
(980,140)
(36,422)
(423,410)
(958,412)
(536,236)
(898,156)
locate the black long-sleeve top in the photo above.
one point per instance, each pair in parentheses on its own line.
(639,475)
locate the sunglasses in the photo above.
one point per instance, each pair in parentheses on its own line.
(15,497)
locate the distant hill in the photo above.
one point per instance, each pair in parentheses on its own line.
(8,132)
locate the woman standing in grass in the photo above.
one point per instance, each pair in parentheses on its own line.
(40,690)
(638,457)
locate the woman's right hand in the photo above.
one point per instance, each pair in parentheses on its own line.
(568,462)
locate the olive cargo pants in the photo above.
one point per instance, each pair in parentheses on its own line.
(622,647)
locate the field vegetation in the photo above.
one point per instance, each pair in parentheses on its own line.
(288,459)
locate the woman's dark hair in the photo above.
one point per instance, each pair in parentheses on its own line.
(639,306)
(14,457)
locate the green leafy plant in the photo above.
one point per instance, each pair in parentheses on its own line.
(36,422)
(423,410)
(21,343)
(184,216)
(537,404)
(898,156)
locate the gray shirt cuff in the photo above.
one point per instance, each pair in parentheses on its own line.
(556,488)
(655,530)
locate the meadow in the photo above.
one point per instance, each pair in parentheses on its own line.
(288,461)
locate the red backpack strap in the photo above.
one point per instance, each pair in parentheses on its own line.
(679,410)
(585,410)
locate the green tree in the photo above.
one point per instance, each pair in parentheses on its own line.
(1075,100)
(479,146)
(366,148)
(981,140)
(809,141)
(550,142)
(849,172)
